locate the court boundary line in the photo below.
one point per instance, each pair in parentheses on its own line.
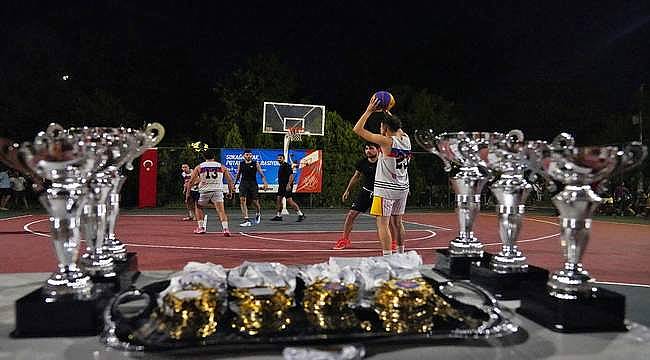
(431,235)
(15,217)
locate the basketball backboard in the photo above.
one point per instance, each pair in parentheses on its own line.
(278,118)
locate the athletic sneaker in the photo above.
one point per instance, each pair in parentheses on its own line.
(187,218)
(199,230)
(393,245)
(258,218)
(301,218)
(342,244)
(246,223)
(276,218)
(226,233)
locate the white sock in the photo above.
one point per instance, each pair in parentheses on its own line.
(299,213)
(279,214)
(387,252)
(224,225)
(205,221)
(200,223)
(400,249)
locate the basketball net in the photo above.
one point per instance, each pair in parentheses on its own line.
(293,134)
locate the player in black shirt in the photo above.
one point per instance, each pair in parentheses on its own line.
(285,188)
(366,168)
(247,171)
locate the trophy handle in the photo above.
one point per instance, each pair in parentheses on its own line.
(562,141)
(427,140)
(155,133)
(54,130)
(515,136)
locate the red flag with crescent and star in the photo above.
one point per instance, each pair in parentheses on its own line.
(148,179)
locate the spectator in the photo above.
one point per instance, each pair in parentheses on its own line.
(18,185)
(5,189)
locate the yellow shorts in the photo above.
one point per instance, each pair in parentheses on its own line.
(387,207)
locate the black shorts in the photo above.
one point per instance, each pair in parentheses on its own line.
(248,189)
(194,195)
(5,191)
(363,201)
(282,191)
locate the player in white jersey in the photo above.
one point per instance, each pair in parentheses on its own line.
(209,176)
(391,178)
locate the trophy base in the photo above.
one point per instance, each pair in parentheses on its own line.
(454,267)
(35,317)
(505,286)
(126,274)
(603,311)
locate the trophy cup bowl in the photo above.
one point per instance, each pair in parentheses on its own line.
(570,301)
(137,142)
(466,150)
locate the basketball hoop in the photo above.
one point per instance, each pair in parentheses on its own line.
(295,133)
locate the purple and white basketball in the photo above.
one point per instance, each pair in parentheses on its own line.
(386,100)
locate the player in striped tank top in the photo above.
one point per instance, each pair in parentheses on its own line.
(391,178)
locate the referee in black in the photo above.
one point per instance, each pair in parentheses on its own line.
(247,171)
(285,189)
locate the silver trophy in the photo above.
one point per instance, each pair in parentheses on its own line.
(511,157)
(97,261)
(66,160)
(466,150)
(138,141)
(580,168)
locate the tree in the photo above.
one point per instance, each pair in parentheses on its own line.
(239,97)
(232,138)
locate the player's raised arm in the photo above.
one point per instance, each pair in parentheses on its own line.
(359,127)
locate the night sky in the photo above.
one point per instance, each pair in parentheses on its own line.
(476,53)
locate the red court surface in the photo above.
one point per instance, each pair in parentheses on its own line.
(616,252)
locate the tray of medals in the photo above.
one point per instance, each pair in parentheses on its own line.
(217,316)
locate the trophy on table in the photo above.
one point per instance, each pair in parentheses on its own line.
(98,261)
(139,141)
(569,301)
(82,165)
(464,150)
(67,303)
(503,272)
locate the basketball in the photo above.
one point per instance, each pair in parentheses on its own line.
(386,100)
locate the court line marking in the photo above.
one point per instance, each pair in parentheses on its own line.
(26,228)
(431,235)
(15,217)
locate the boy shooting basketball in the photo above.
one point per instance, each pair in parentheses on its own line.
(391,178)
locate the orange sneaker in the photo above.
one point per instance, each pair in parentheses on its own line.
(393,245)
(342,244)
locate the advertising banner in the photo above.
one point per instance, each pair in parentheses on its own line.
(307,167)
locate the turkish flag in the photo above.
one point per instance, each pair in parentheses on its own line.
(148,179)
